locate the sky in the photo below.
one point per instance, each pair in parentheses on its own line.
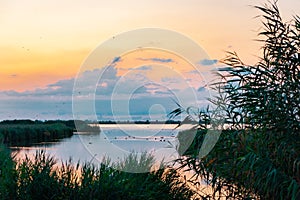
(48,46)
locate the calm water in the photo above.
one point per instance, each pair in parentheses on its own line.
(114,141)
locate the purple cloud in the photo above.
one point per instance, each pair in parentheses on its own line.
(207,62)
(161,60)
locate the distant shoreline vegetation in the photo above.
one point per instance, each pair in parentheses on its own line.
(29,133)
(70,123)
(140,122)
(26,132)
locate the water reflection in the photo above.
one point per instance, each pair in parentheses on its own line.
(114,141)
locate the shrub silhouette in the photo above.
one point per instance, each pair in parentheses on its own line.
(257,156)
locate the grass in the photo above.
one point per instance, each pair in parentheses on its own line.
(43,178)
(7,175)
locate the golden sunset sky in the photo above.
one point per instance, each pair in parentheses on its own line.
(42,42)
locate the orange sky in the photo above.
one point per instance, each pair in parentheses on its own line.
(42,42)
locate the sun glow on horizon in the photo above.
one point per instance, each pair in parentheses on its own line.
(44,42)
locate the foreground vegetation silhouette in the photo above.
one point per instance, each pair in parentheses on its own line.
(41,178)
(258,153)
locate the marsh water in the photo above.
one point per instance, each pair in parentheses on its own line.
(115,141)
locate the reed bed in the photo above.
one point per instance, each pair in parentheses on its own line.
(42,178)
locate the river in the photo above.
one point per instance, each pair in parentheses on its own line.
(115,141)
